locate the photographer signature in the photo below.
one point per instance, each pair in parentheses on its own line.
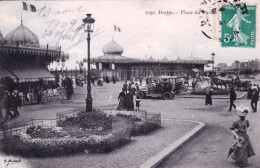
(10,161)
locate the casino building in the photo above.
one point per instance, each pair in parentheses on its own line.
(24,59)
(113,63)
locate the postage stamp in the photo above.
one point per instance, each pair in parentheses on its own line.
(239,26)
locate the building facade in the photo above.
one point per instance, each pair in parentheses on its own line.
(113,64)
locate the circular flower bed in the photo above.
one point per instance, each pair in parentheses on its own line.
(84,132)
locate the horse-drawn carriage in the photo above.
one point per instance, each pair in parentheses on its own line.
(232,81)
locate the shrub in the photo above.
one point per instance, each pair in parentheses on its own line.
(35,147)
(143,128)
(139,127)
(95,120)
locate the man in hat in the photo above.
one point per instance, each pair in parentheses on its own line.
(7,105)
(255,98)
(16,102)
(209,92)
(233,97)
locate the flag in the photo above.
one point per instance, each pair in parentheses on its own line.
(117,29)
(29,7)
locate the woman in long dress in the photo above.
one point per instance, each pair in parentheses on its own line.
(239,130)
(121,98)
(235,23)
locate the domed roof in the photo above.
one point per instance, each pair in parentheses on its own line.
(22,34)
(113,48)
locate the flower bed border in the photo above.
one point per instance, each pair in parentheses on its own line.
(12,145)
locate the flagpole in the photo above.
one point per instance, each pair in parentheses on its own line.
(22,14)
(113,33)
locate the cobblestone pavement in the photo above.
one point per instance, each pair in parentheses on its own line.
(209,149)
(131,155)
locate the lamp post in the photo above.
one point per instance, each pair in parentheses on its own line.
(62,64)
(213,57)
(88,27)
(237,67)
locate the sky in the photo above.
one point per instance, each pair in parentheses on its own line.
(144,32)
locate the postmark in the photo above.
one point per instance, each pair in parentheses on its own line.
(239,26)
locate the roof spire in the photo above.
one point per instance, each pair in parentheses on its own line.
(22,17)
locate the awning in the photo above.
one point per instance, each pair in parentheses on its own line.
(195,70)
(5,73)
(32,73)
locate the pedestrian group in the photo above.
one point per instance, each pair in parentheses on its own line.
(11,103)
(126,97)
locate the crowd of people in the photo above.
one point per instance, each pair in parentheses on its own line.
(126,97)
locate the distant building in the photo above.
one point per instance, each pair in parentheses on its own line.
(251,65)
(112,63)
(222,66)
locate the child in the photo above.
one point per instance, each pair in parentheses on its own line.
(137,102)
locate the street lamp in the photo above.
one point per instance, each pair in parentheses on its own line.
(88,27)
(62,64)
(63,61)
(213,57)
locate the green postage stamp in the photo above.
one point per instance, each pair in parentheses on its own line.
(238,28)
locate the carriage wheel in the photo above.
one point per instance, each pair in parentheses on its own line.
(167,96)
(142,95)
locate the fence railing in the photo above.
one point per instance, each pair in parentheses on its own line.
(15,128)
(119,129)
(154,118)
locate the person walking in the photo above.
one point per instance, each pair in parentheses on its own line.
(136,88)
(121,98)
(255,98)
(93,80)
(125,87)
(209,92)
(130,87)
(114,79)
(242,149)
(16,102)
(250,92)
(137,102)
(193,84)
(8,105)
(233,97)
(129,101)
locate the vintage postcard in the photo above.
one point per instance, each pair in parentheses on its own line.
(127,84)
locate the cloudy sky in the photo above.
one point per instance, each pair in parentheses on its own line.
(143,34)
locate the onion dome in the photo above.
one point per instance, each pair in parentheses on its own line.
(22,34)
(112,48)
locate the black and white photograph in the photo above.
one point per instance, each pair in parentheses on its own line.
(129,84)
